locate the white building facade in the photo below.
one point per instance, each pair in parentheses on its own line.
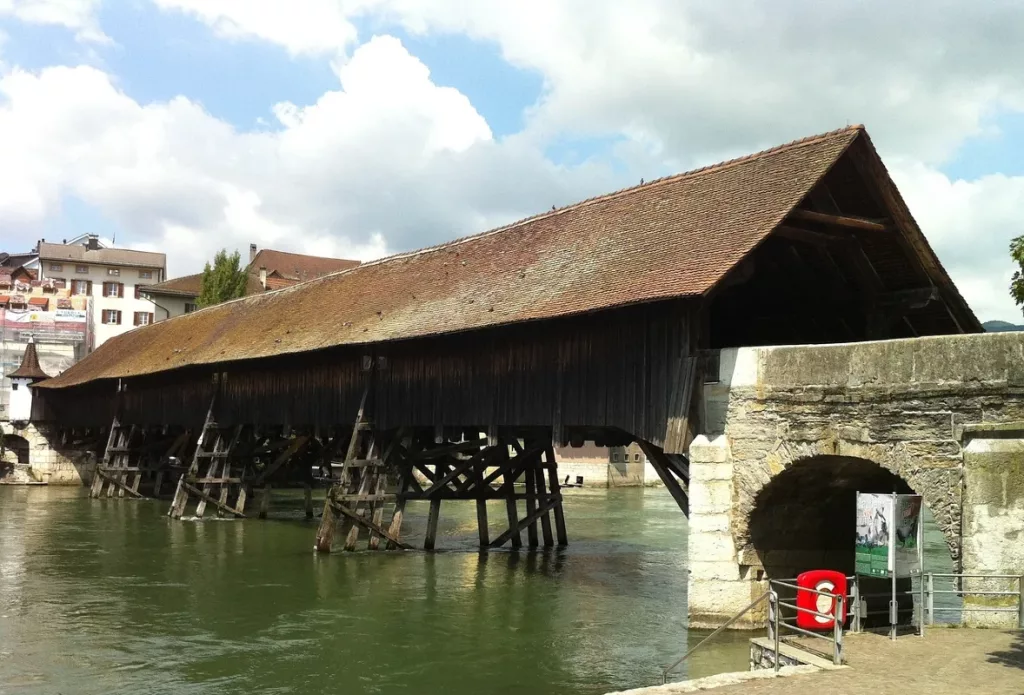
(110,278)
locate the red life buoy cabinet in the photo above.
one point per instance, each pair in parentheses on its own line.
(820,580)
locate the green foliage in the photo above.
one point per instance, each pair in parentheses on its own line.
(1017,284)
(223,281)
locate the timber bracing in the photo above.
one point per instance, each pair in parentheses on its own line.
(229,462)
(519,472)
(136,461)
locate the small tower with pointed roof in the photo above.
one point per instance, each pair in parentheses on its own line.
(22,379)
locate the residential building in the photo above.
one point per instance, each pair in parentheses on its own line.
(109,278)
(590,465)
(267,270)
(41,313)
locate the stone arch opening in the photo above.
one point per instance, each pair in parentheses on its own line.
(805,517)
(14,449)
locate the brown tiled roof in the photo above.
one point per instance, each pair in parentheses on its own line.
(29,368)
(78,253)
(275,282)
(191,285)
(39,301)
(674,237)
(185,286)
(296,266)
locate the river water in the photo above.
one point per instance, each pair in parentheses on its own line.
(100,596)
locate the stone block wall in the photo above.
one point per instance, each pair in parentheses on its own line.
(904,406)
(47,461)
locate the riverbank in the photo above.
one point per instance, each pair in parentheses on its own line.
(946,661)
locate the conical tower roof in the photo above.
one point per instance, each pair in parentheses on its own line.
(29,368)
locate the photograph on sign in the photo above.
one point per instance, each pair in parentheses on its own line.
(874,531)
(906,541)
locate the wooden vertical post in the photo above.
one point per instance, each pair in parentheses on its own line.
(396,519)
(308,492)
(243,496)
(377,505)
(542,497)
(510,499)
(432,519)
(366,485)
(555,490)
(212,470)
(481,504)
(158,483)
(328,522)
(531,501)
(481,521)
(265,501)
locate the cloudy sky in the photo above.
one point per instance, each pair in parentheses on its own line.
(359,128)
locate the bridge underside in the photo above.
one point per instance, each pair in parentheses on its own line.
(368,475)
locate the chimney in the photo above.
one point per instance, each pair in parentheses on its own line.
(93,242)
(252,252)
(263,276)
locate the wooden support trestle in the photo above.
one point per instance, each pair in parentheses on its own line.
(135,462)
(420,468)
(214,474)
(359,497)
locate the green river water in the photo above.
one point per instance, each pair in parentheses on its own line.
(102,596)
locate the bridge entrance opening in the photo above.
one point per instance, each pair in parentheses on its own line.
(14,450)
(805,517)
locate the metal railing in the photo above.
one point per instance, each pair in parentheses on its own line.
(853,608)
(929,592)
(731,621)
(777,623)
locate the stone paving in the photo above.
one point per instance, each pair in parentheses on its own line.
(945,662)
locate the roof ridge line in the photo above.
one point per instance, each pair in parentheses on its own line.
(735,161)
(801,142)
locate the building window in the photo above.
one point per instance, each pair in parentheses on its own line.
(113,271)
(57,267)
(112,317)
(615,457)
(636,457)
(146,274)
(138,291)
(81,287)
(82,269)
(189,307)
(143,318)
(14,386)
(113,290)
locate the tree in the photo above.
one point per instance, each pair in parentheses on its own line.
(224,281)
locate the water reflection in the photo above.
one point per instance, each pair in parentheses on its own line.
(110,595)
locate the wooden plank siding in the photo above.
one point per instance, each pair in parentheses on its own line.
(609,369)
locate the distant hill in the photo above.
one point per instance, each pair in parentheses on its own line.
(1001,326)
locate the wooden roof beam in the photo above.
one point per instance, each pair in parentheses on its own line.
(858,223)
(812,237)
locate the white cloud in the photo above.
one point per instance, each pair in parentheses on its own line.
(77,15)
(970,225)
(391,161)
(387,161)
(300,26)
(689,83)
(697,81)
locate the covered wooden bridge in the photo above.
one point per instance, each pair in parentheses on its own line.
(449,373)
